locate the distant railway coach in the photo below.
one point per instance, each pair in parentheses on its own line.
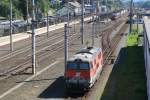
(115,16)
(83,69)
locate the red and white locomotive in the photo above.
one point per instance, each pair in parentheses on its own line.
(83,69)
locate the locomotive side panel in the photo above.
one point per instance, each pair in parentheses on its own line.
(96,67)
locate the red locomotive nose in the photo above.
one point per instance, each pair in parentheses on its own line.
(73,73)
(70,73)
(85,74)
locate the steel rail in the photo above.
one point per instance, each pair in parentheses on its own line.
(27,63)
(26,48)
(109,51)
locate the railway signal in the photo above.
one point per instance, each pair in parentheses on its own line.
(33,37)
(11,28)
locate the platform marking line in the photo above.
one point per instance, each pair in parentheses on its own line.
(28,79)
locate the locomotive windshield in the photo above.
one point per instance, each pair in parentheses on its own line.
(84,65)
(79,65)
(71,65)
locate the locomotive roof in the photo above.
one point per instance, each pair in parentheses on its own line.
(85,54)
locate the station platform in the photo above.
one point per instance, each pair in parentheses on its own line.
(24,35)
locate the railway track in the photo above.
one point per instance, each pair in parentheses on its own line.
(40,54)
(40,40)
(113,45)
(108,51)
(52,37)
(44,53)
(42,46)
(28,46)
(22,55)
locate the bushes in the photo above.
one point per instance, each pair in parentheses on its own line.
(132,39)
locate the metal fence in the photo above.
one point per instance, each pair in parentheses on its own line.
(5,28)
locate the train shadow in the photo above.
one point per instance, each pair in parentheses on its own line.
(57,91)
(126,70)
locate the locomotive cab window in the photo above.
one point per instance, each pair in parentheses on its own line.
(84,65)
(71,65)
(78,66)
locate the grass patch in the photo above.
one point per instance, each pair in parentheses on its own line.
(132,38)
(127,80)
(131,80)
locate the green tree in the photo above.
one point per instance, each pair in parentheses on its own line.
(22,5)
(4,8)
(43,5)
